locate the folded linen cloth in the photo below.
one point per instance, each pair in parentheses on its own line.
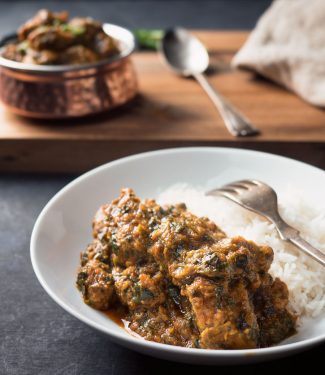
(288,46)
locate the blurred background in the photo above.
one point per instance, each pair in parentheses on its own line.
(221,14)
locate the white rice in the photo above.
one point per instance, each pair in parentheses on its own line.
(304,277)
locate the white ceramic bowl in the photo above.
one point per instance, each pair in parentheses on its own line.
(63,229)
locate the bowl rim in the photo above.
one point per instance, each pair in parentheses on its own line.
(108,28)
(129,340)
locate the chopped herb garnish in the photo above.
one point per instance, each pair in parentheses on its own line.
(152,223)
(141,294)
(114,244)
(73,29)
(178,250)
(219,294)
(162,211)
(174,294)
(207,238)
(81,279)
(146,294)
(22,47)
(84,258)
(241,260)
(125,209)
(178,227)
(241,323)
(107,279)
(102,257)
(57,22)
(128,238)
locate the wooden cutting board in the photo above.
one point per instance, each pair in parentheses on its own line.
(170,111)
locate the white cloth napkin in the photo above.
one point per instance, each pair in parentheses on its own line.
(288,46)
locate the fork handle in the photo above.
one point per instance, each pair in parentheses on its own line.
(307,248)
(292,235)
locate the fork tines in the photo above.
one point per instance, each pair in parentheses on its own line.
(235,187)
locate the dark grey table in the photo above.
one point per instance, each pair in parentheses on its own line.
(36,335)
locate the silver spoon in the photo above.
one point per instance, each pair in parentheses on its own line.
(186,55)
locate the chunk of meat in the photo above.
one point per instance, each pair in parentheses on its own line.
(104,45)
(140,286)
(50,37)
(88,29)
(96,284)
(42,18)
(97,250)
(126,227)
(275,321)
(227,258)
(224,314)
(179,232)
(164,324)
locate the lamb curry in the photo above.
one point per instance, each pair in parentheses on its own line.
(50,38)
(180,280)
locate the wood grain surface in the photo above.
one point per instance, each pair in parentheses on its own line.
(170,111)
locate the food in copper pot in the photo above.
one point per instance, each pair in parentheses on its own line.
(50,38)
(179,280)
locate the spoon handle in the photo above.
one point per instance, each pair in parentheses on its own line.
(235,122)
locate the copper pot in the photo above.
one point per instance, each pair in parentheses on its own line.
(62,91)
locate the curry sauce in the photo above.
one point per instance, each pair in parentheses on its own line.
(117,314)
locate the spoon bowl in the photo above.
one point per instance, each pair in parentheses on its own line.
(184,53)
(187,56)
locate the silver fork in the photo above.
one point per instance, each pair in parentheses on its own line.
(262,199)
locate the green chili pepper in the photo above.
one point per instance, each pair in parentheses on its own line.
(148,39)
